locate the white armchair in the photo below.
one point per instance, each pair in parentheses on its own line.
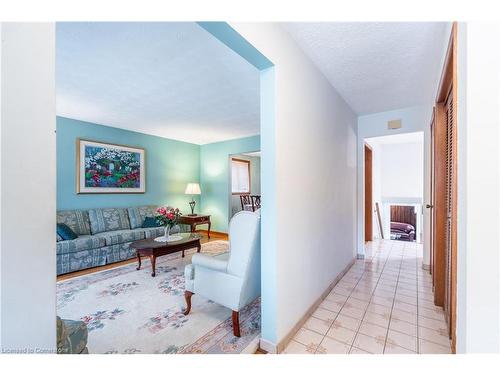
(231,279)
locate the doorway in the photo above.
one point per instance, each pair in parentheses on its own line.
(394,188)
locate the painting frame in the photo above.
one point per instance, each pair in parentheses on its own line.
(81,180)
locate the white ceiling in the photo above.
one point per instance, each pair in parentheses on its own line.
(173,80)
(376,67)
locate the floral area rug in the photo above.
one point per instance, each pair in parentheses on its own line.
(128,311)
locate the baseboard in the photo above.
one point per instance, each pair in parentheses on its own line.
(283,343)
(268,346)
(426,267)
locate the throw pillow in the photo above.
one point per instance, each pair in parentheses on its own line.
(150,222)
(66,232)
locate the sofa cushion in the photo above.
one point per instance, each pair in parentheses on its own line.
(108,219)
(122,236)
(77,220)
(84,242)
(65,232)
(150,222)
(138,214)
(154,232)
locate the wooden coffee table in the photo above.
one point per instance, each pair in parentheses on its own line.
(152,249)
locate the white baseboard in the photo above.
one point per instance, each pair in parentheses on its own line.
(268,346)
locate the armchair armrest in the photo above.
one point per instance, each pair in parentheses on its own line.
(209,262)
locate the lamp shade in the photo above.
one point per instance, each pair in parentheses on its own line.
(193,188)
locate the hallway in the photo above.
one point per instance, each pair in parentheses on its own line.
(383,304)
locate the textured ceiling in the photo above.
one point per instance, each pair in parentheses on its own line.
(170,79)
(376,67)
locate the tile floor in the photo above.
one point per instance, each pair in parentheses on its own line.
(382,305)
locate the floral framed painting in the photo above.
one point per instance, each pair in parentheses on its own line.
(109,168)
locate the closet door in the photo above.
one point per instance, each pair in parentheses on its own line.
(450,234)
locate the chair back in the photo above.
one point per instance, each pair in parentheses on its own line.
(255,202)
(244,239)
(245,202)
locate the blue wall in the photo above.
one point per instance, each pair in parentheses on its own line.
(214,177)
(170,165)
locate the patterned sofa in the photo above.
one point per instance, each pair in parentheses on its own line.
(104,236)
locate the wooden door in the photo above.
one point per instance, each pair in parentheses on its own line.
(432,202)
(444,191)
(368,195)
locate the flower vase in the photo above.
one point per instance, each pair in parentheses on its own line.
(167,233)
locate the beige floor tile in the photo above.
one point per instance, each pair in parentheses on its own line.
(372,330)
(406,293)
(431,323)
(403,327)
(336,297)
(331,346)
(436,336)
(406,307)
(394,349)
(355,350)
(431,313)
(379,309)
(317,325)
(346,322)
(406,299)
(427,347)
(295,347)
(383,293)
(352,311)
(427,304)
(361,295)
(405,316)
(377,319)
(357,303)
(324,314)
(369,344)
(331,305)
(341,334)
(382,301)
(308,337)
(402,340)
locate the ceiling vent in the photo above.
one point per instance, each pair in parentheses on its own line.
(394,124)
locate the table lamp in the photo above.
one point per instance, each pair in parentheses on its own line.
(192,189)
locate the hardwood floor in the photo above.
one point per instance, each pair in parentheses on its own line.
(214,236)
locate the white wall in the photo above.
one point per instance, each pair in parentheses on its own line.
(28,187)
(402,170)
(315,155)
(478,293)
(414,119)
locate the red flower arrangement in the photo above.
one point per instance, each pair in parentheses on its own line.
(167,216)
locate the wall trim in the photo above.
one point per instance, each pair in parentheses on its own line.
(268,346)
(277,349)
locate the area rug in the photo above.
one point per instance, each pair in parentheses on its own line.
(128,311)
